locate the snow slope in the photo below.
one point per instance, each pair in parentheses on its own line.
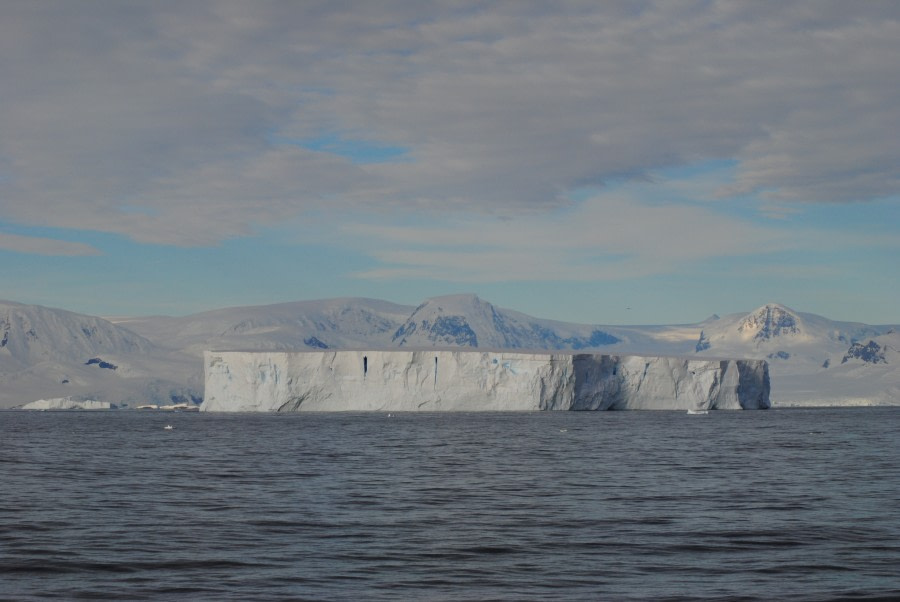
(327,324)
(52,353)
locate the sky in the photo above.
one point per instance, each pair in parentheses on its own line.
(596,162)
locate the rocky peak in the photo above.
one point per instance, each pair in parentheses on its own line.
(443,321)
(468,321)
(871,353)
(770,321)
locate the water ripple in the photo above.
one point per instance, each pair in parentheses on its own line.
(550,506)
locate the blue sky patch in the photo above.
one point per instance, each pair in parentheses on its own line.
(360,152)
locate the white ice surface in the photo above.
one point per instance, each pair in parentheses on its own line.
(447,380)
(67,403)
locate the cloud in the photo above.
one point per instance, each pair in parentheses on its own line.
(608,237)
(166,121)
(44,246)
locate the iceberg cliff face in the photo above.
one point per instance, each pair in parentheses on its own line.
(430,380)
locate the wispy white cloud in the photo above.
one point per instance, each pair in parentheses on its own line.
(35,245)
(608,237)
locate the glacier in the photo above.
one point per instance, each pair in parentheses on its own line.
(476,380)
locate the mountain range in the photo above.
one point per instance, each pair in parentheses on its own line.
(50,353)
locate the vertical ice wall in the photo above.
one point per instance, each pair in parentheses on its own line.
(431,380)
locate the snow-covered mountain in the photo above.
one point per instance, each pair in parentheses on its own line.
(806,353)
(46,353)
(467,321)
(345,323)
(773,326)
(49,353)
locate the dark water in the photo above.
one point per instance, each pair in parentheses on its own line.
(790,504)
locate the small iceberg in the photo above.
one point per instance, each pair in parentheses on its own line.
(168,427)
(692,412)
(68,403)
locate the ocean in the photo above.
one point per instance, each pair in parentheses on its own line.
(798,504)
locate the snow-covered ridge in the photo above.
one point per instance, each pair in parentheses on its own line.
(468,321)
(53,356)
(445,380)
(31,332)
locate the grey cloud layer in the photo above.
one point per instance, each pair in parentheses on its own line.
(167,121)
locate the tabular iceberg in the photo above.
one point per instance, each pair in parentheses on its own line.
(67,403)
(444,380)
